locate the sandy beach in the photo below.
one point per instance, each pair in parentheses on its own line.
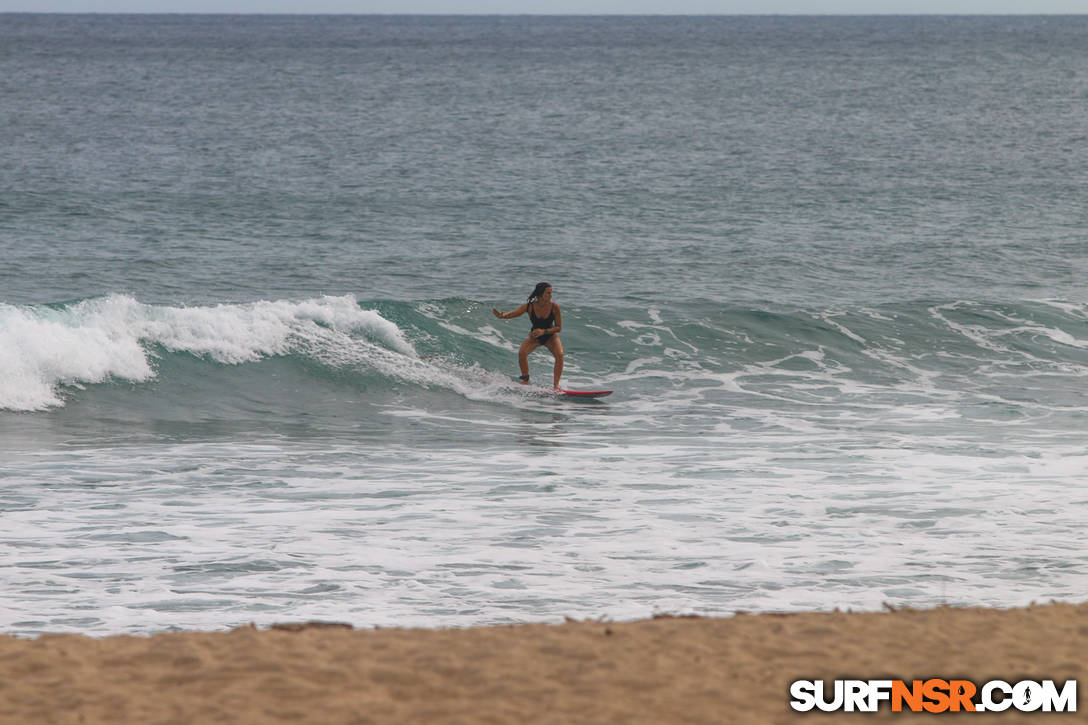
(666,670)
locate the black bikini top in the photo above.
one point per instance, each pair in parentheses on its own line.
(542,323)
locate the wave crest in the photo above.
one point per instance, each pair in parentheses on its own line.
(44,348)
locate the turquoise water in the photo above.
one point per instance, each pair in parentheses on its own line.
(832,267)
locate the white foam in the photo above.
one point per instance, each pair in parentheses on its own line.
(43,349)
(798,512)
(651,335)
(485,333)
(830,320)
(1072,309)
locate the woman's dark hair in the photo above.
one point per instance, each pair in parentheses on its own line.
(538,291)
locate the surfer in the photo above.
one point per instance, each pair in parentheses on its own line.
(547,324)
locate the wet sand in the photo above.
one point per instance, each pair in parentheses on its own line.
(665,670)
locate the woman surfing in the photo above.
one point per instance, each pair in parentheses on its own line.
(547,323)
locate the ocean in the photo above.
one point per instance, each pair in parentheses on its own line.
(832,267)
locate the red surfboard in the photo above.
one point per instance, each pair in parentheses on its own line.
(562,393)
(586,393)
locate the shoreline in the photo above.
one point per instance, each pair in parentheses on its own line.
(668,669)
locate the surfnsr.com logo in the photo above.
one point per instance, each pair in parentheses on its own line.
(933,695)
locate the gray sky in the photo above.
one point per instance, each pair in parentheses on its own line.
(634,7)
